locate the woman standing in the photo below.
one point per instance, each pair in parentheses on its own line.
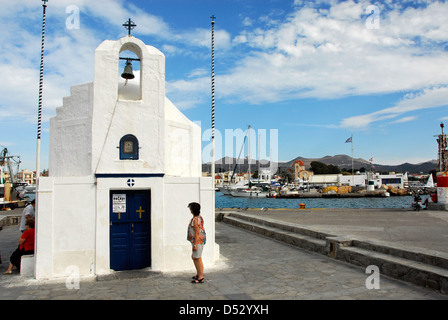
(26,246)
(196,235)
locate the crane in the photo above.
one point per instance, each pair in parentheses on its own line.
(7,160)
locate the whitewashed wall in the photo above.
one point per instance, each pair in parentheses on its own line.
(73,203)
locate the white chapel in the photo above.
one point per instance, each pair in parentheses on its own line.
(124,164)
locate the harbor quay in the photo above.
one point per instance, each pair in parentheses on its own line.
(260,268)
(426,229)
(410,246)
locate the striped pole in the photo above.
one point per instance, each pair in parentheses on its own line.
(213,101)
(39,120)
(41,79)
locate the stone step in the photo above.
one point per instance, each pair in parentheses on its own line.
(292,238)
(431,257)
(282,225)
(418,273)
(426,256)
(424,268)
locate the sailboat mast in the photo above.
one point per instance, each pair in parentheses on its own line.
(353,170)
(248,155)
(258,158)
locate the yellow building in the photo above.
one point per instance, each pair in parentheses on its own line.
(26,176)
(300,172)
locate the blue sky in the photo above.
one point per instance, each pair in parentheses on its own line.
(315,71)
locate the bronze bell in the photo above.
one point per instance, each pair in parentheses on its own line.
(127,73)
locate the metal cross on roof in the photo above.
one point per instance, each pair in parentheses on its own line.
(129,25)
(213,18)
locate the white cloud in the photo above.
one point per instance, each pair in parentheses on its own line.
(330,53)
(405,119)
(246,21)
(200,72)
(69,53)
(337,55)
(202,38)
(428,98)
(312,53)
(188,93)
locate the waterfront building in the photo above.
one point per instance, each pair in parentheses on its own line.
(26,176)
(356,180)
(299,171)
(396,180)
(124,164)
(324,180)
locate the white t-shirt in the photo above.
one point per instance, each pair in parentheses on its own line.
(29,210)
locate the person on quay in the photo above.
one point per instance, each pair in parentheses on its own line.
(27,213)
(26,247)
(197,236)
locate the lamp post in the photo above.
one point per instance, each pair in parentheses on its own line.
(442,169)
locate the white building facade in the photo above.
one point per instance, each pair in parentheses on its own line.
(124,164)
(396,180)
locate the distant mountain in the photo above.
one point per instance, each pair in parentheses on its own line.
(341,160)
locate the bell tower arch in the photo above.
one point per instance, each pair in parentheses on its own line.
(130,72)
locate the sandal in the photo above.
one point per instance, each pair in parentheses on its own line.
(195,277)
(7,272)
(198,281)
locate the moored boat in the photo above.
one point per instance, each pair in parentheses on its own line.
(249,193)
(240,185)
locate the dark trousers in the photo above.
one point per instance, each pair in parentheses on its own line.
(17,255)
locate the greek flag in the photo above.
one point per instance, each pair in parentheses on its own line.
(349,140)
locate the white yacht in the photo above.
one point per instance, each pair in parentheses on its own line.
(239,185)
(253,192)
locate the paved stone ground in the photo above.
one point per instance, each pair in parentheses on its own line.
(252,267)
(425,229)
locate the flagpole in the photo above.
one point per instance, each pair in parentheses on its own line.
(353,170)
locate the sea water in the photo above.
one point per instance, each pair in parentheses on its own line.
(226,201)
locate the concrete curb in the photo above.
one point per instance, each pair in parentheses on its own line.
(9,220)
(422,267)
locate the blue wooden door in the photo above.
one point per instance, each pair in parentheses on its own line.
(130,229)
